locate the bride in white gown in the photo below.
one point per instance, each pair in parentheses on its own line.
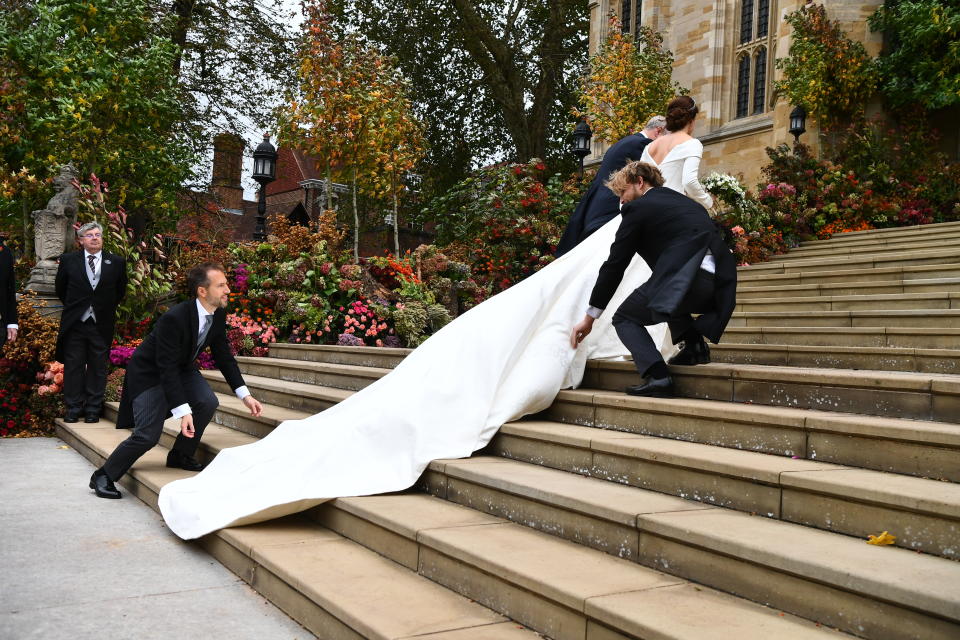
(505,358)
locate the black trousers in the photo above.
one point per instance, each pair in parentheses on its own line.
(150,409)
(634,315)
(84,369)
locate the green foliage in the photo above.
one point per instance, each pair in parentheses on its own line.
(827,73)
(94,88)
(920,66)
(629,82)
(491,80)
(504,221)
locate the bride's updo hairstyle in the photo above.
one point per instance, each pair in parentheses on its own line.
(631,174)
(681,111)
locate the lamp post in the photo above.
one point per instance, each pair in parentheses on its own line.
(581,141)
(798,118)
(264,172)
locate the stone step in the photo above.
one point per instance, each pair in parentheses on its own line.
(887,287)
(925,243)
(834,579)
(924,514)
(875,302)
(849,277)
(906,318)
(377,561)
(887,234)
(331,585)
(291,395)
(562,589)
(350,377)
(838,263)
(893,337)
(382,357)
(941,361)
(895,445)
(917,396)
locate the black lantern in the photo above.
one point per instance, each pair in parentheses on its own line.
(264,172)
(581,141)
(798,118)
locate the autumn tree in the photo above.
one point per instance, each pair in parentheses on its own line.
(628,83)
(493,78)
(826,72)
(93,87)
(352,112)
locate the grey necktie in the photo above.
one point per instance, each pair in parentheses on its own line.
(207,321)
(92,261)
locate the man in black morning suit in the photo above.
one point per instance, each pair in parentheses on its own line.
(8,296)
(599,205)
(693,273)
(162,380)
(90,283)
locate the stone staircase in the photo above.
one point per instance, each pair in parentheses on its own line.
(738,510)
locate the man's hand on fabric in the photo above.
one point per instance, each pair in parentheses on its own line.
(581,331)
(253,405)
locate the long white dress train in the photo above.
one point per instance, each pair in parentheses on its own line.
(505,358)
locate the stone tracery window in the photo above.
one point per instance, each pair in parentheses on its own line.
(754,40)
(630,15)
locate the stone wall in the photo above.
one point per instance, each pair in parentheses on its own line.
(703,38)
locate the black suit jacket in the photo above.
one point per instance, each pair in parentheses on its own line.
(599,205)
(672,233)
(74,290)
(8,292)
(168,353)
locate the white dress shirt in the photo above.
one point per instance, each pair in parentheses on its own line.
(242,392)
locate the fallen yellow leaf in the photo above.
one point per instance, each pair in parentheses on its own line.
(883,538)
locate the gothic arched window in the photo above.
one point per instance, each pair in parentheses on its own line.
(630,15)
(759,80)
(743,86)
(754,40)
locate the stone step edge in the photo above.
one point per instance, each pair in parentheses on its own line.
(924,514)
(904,284)
(228,535)
(361,371)
(902,245)
(803,348)
(843,574)
(879,242)
(866,297)
(227,546)
(743,277)
(847,261)
(849,378)
(883,232)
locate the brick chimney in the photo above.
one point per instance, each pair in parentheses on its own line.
(227,162)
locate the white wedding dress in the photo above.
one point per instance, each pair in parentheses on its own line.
(503,359)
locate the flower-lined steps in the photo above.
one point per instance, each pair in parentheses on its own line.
(811,429)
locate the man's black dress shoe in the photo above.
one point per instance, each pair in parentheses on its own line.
(653,388)
(693,352)
(102,485)
(91,418)
(177,460)
(71,417)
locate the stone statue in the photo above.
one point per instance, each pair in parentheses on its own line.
(53,231)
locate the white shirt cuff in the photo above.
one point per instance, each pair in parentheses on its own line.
(242,392)
(12,326)
(182,410)
(594,312)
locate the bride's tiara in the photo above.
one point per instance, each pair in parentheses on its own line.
(692,106)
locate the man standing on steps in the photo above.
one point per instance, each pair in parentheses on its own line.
(162,379)
(693,273)
(90,283)
(599,205)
